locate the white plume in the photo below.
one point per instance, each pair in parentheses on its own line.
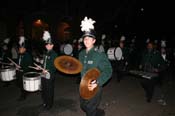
(21,40)
(46,35)
(148,40)
(87,24)
(163,43)
(80,40)
(74,41)
(122,38)
(103,36)
(6,40)
(133,40)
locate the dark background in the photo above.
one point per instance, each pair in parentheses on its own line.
(125,16)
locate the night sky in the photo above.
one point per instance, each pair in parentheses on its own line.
(130,15)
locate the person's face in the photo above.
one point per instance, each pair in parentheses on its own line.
(49,46)
(5,48)
(89,42)
(22,50)
(150,46)
(121,44)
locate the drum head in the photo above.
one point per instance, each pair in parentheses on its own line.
(118,53)
(111,53)
(68,49)
(31,74)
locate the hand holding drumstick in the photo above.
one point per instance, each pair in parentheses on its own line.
(44,71)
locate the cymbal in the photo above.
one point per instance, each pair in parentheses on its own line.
(91,75)
(68,64)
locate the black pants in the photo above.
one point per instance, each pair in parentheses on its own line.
(47,92)
(120,69)
(90,106)
(149,86)
(19,76)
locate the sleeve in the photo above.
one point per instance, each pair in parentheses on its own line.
(161,63)
(51,66)
(105,70)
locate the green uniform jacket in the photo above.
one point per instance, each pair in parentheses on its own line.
(99,60)
(26,61)
(154,58)
(51,55)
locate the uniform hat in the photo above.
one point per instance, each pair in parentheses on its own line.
(87,27)
(47,38)
(90,33)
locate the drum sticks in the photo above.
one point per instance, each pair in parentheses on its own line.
(5,63)
(38,67)
(18,66)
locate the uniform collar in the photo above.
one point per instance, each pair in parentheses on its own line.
(91,50)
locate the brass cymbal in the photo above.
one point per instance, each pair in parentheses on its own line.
(91,75)
(68,64)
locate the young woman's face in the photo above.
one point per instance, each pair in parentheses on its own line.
(89,42)
(49,46)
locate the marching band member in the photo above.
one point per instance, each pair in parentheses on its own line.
(4,55)
(152,62)
(5,51)
(47,81)
(24,60)
(122,64)
(90,59)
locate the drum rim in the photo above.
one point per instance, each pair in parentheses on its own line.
(32,78)
(7,69)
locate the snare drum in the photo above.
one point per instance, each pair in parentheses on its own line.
(8,73)
(32,81)
(114,53)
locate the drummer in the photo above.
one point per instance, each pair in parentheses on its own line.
(24,60)
(4,54)
(93,59)
(5,51)
(47,81)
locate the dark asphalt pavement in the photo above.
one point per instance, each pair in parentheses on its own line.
(126,98)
